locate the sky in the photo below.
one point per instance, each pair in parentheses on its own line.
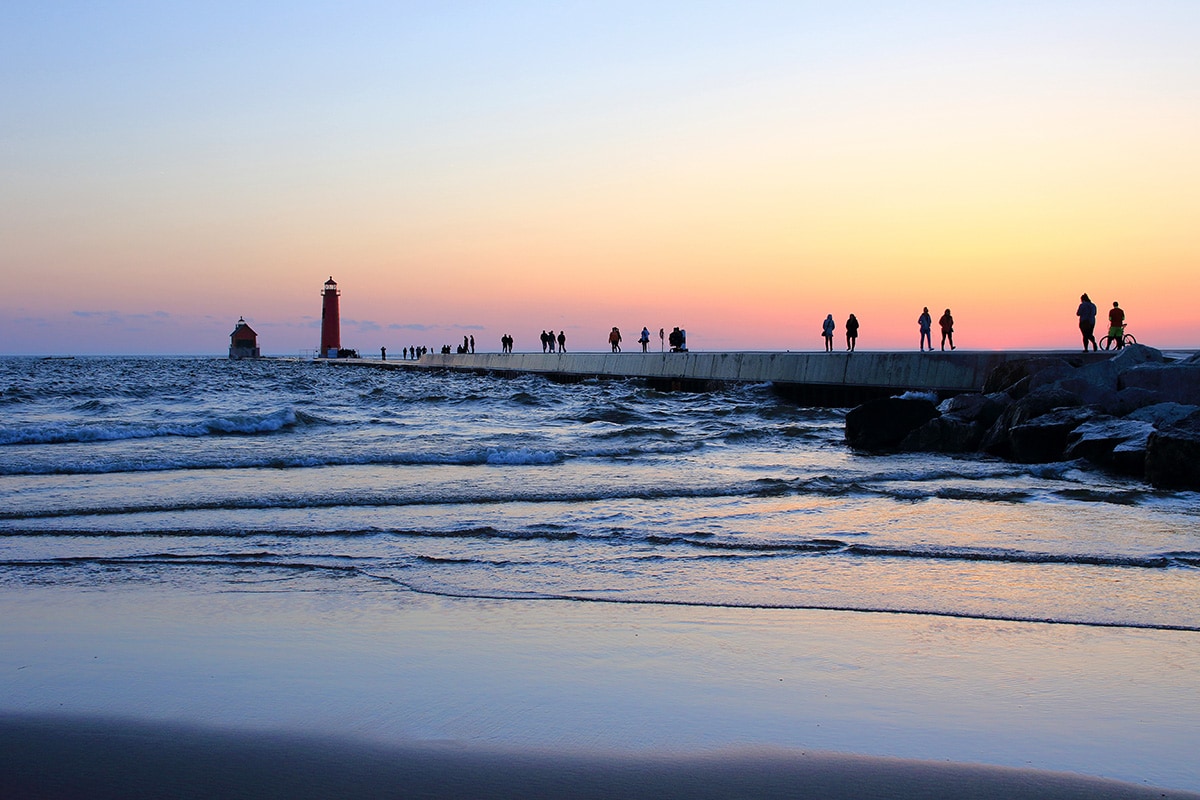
(740,169)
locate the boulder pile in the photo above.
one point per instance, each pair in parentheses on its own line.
(1137,414)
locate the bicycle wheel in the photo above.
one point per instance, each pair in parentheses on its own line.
(1129,339)
(1107,343)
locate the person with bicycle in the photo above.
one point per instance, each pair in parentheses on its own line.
(1116,325)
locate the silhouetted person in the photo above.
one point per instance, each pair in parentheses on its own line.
(472,344)
(1116,325)
(545,340)
(925,322)
(827,328)
(947,323)
(562,341)
(1087,321)
(614,339)
(675,339)
(644,338)
(851,332)
(383,354)
(660,338)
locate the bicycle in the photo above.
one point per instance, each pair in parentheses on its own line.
(1110,341)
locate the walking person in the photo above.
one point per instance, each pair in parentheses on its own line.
(827,328)
(1087,321)
(925,322)
(851,333)
(614,339)
(947,323)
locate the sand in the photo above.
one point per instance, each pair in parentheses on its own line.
(158,690)
(65,758)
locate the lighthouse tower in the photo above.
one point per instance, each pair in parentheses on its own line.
(331,325)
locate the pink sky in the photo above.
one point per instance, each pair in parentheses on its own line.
(740,171)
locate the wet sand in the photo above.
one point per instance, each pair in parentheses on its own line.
(151,690)
(67,758)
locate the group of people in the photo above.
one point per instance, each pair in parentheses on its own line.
(946,323)
(549,340)
(829,326)
(1087,323)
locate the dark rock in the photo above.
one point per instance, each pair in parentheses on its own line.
(1179,383)
(882,424)
(1044,438)
(1046,399)
(945,434)
(1129,457)
(1127,401)
(1008,375)
(983,409)
(1096,439)
(1163,415)
(1173,455)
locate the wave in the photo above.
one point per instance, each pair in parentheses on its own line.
(238,424)
(341,566)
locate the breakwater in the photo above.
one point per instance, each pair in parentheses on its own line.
(815,378)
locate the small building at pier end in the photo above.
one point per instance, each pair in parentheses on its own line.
(331,325)
(243,342)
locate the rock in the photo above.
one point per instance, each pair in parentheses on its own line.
(1046,399)
(1178,383)
(882,424)
(1008,375)
(1129,457)
(983,409)
(1044,438)
(945,434)
(1127,401)
(1173,455)
(1162,415)
(1097,438)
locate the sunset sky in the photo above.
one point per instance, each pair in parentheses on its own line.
(738,168)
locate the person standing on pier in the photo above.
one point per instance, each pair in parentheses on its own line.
(645,337)
(947,323)
(827,328)
(562,341)
(851,332)
(1087,321)
(614,339)
(925,322)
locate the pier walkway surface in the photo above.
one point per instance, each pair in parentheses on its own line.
(817,378)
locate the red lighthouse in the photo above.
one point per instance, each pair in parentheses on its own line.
(331,325)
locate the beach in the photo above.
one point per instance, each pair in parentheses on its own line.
(248,691)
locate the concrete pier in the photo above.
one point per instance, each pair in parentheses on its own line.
(816,378)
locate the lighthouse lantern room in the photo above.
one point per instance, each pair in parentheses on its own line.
(331,334)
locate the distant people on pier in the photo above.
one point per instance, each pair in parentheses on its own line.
(925,323)
(851,332)
(472,344)
(506,343)
(383,354)
(644,339)
(614,339)
(827,328)
(562,341)
(545,340)
(1116,324)
(550,340)
(1087,321)
(676,339)
(947,323)
(660,339)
